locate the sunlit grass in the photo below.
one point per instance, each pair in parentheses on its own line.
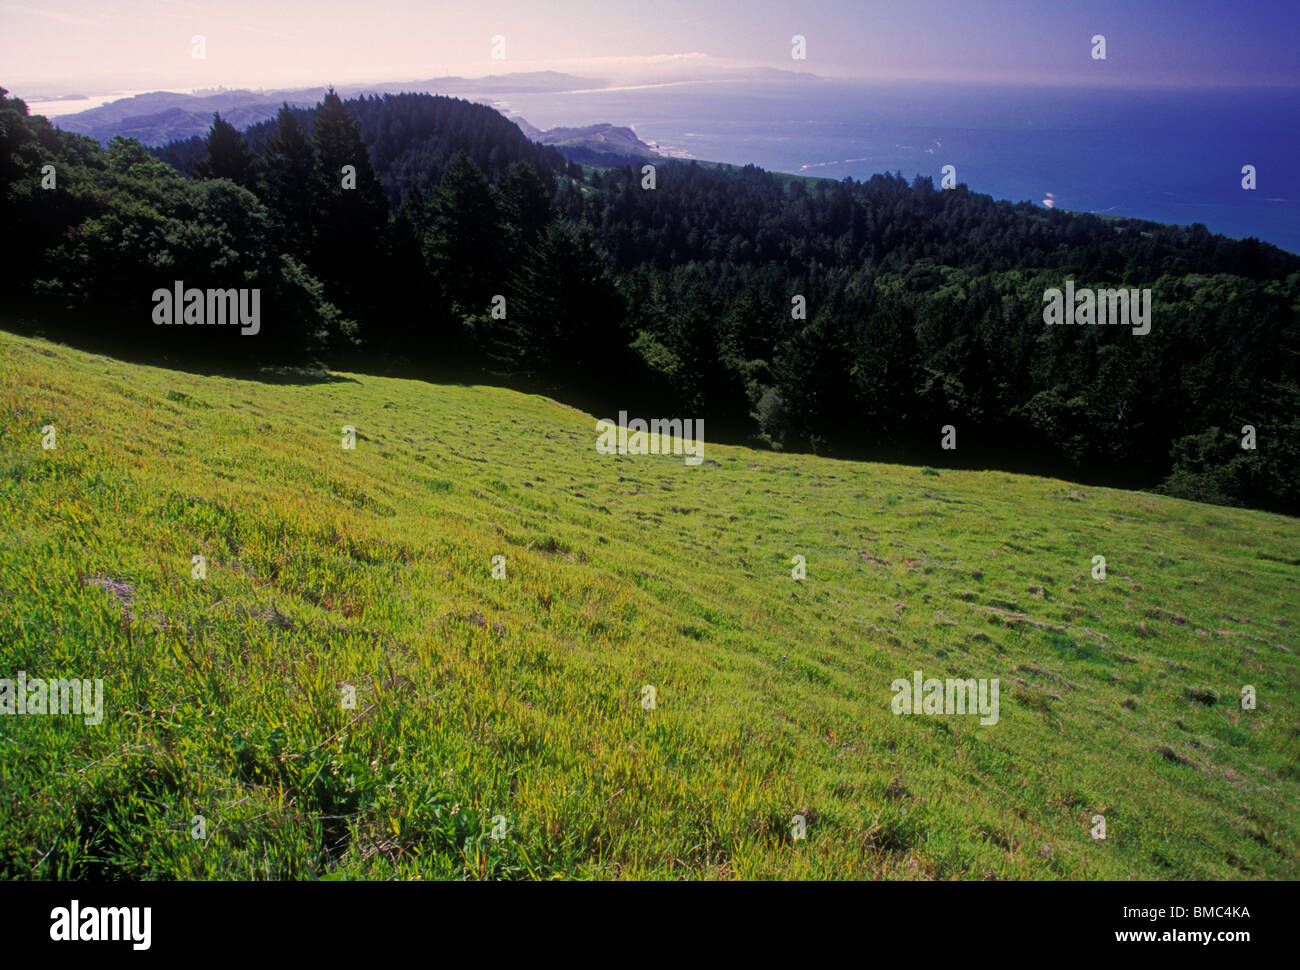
(522,698)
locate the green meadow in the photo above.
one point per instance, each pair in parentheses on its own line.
(351,693)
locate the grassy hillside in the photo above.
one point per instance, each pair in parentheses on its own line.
(522,697)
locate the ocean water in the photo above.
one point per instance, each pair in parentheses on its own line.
(1170,156)
(67,106)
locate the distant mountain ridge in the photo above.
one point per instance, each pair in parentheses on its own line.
(416,158)
(411,138)
(160,117)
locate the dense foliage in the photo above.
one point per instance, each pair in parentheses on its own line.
(427,232)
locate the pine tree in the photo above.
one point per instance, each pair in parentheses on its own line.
(464,245)
(290,184)
(525,205)
(566,318)
(814,378)
(414,323)
(352,212)
(228,155)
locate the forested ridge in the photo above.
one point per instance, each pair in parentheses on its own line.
(924,308)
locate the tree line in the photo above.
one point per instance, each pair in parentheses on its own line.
(428,236)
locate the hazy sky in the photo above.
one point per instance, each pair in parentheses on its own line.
(56,46)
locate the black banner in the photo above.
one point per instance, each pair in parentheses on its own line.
(339,919)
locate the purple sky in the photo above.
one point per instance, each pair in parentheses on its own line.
(79,44)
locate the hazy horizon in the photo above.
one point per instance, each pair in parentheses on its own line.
(84,47)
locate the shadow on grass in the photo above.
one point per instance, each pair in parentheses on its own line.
(200,363)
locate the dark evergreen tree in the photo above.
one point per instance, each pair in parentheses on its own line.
(525,206)
(564,314)
(228,155)
(814,379)
(466,239)
(348,253)
(291,185)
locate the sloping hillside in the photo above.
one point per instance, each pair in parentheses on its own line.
(516,703)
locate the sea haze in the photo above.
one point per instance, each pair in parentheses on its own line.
(1168,155)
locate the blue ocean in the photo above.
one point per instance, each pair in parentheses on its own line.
(1171,156)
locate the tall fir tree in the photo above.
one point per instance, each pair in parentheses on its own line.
(525,206)
(566,318)
(228,155)
(291,185)
(466,241)
(352,213)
